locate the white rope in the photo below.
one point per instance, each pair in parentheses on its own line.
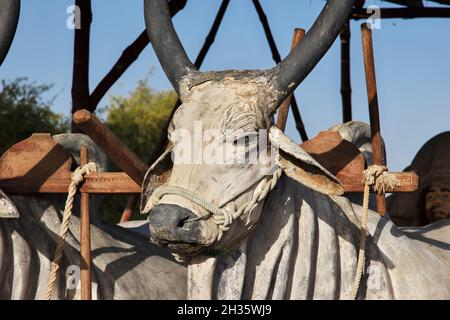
(76,179)
(378,178)
(221,217)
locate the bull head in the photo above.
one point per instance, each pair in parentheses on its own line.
(9,16)
(234,106)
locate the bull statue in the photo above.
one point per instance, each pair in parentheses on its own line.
(124,265)
(432,201)
(278,229)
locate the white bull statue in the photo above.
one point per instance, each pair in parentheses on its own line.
(249,230)
(124,266)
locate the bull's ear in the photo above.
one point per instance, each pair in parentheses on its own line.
(157,175)
(299,165)
(7,207)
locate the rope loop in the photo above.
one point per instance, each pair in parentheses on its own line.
(379,179)
(76,179)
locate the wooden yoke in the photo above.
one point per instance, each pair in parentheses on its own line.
(40,165)
(114,148)
(347,163)
(372,96)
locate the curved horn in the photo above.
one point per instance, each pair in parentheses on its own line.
(299,63)
(9,16)
(165,41)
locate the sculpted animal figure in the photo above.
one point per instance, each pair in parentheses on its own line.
(269,229)
(124,265)
(432,201)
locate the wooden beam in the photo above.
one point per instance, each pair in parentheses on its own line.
(403,13)
(80,77)
(346,88)
(95,183)
(121,183)
(114,148)
(408,3)
(408,182)
(85,236)
(374,113)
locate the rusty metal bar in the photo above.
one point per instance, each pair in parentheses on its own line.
(346,88)
(372,95)
(115,149)
(283,111)
(85,236)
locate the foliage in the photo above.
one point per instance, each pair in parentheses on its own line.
(138,120)
(23,111)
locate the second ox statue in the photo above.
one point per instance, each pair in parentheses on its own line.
(284,234)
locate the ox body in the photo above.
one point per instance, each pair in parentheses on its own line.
(298,241)
(124,266)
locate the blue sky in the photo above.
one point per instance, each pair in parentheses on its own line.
(411,59)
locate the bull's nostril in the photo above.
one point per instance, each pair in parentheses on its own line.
(182,222)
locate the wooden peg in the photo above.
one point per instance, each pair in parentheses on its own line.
(85,236)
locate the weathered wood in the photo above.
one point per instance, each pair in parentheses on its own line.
(372,95)
(80,77)
(116,150)
(346,88)
(403,13)
(346,162)
(120,183)
(128,211)
(408,182)
(37,157)
(85,237)
(283,111)
(337,155)
(95,183)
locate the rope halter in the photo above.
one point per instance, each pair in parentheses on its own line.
(221,217)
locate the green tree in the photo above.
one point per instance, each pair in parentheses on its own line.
(138,119)
(23,111)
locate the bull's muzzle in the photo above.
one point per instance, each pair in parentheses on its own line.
(169,226)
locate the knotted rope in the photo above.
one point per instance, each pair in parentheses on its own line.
(76,179)
(221,217)
(379,179)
